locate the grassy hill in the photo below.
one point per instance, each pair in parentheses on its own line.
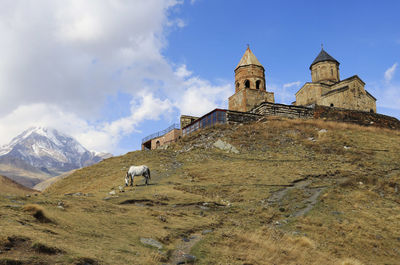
(10,187)
(296,192)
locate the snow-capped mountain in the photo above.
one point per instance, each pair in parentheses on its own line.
(50,151)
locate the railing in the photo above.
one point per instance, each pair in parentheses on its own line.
(217,116)
(161,133)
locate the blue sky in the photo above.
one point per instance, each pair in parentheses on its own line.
(111,72)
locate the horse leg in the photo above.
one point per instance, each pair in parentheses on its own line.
(132,180)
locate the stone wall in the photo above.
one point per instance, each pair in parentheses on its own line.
(326,70)
(357,117)
(246,99)
(253,73)
(290,111)
(349,94)
(241,117)
(155,143)
(186,120)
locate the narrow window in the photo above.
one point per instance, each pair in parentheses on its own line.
(157,144)
(247,84)
(331,104)
(331,71)
(258,83)
(237,85)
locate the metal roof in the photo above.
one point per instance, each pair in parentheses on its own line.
(322,57)
(248,59)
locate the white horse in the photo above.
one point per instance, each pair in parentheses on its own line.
(137,171)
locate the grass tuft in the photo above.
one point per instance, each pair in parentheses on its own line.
(37,212)
(42,248)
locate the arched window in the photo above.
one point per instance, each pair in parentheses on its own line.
(237,85)
(157,144)
(331,71)
(247,84)
(258,84)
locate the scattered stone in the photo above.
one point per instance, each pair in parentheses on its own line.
(185,239)
(162,218)
(186,258)
(27,195)
(346,147)
(106,198)
(112,192)
(121,189)
(151,242)
(225,146)
(60,207)
(337,213)
(207,231)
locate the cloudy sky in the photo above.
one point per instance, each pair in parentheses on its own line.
(110,72)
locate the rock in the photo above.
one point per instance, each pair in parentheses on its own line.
(207,231)
(346,147)
(106,198)
(121,189)
(112,192)
(151,242)
(225,146)
(162,218)
(337,213)
(186,258)
(60,207)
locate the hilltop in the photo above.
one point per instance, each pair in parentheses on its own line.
(275,191)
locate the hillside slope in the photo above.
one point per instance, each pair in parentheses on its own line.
(8,186)
(287,192)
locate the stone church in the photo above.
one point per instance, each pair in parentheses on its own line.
(327,89)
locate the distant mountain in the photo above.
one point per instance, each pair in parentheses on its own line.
(46,152)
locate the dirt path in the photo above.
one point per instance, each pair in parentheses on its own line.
(309,202)
(181,253)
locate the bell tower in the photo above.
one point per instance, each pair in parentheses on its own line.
(250,88)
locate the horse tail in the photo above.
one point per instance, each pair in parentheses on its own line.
(148,173)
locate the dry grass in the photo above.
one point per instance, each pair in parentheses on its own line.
(351,222)
(37,212)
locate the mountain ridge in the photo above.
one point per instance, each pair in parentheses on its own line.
(45,152)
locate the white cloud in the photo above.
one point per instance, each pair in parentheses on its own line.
(285,93)
(199,96)
(389,73)
(74,53)
(60,60)
(99,137)
(296,84)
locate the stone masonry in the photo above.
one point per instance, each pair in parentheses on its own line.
(326,89)
(249,84)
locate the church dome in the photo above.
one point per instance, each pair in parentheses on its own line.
(323,56)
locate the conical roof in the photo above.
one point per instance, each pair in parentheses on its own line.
(248,59)
(322,57)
